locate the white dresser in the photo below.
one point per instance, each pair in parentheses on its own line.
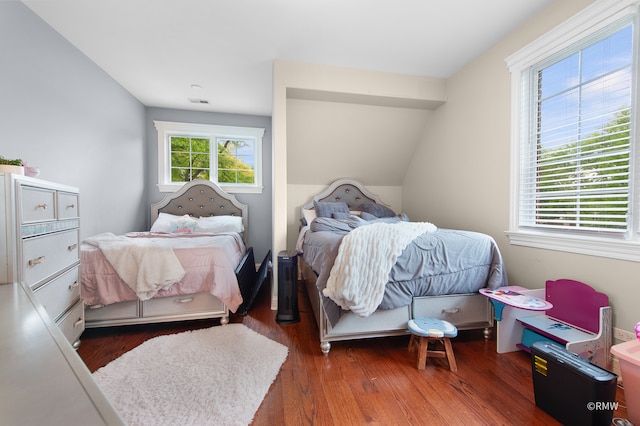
(40,233)
(43,381)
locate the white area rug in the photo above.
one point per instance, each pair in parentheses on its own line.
(213,376)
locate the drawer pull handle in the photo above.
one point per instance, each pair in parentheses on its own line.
(41,206)
(184,300)
(78,322)
(74,285)
(451,311)
(95,306)
(72,247)
(36,261)
(71,206)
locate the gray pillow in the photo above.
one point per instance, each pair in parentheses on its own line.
(340,215)
(378,210)
(367,216)
(327,209)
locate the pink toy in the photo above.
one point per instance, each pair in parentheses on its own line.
(638,330)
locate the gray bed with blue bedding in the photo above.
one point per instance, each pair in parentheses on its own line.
(436,263)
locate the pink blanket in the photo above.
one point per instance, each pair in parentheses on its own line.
(209,262)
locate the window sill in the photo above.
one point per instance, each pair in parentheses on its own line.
(615,249)
(230,189)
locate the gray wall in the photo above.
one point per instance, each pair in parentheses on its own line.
(259,227)
(60,112)
(63,114)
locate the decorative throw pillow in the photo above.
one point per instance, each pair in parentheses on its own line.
(378,210)
(184,225)
(327,208)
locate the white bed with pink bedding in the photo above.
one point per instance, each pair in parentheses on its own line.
(208,263)
(184,268)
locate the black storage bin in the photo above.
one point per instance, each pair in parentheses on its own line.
(288,288)
(570,388)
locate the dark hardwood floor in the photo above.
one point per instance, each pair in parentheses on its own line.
(372,381)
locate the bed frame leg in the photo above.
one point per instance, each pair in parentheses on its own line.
(325,347)
(487,332)
(224,320)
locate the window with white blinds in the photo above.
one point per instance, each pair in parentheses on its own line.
(574,172)
(576,162)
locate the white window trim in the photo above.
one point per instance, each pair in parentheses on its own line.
(592,19)
(168,128)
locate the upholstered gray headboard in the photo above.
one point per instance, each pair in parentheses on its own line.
(347,190)
(201,198)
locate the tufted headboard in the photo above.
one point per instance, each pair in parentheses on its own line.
(348,190)
(201,198)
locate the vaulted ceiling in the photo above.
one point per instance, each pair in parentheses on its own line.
(217,55)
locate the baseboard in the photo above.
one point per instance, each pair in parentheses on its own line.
(622,335)
(615,368)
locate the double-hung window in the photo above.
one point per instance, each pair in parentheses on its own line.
(575,173)
(230,156)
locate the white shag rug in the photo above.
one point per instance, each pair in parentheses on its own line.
(212,376)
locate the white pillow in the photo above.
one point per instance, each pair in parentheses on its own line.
(309,215)
(215,224)
(163,222)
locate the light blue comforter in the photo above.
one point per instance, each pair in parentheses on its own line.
(436,263)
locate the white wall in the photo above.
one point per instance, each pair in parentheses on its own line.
(359,94)
(460,174)
(330,140)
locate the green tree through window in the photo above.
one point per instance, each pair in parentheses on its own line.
(230,156)
(189,158)
(236,161)
(585,184)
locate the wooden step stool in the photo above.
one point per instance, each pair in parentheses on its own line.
(436,333)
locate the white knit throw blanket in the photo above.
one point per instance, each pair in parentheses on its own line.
(146,266)
(365,258)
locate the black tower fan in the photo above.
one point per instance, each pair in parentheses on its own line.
(287,288)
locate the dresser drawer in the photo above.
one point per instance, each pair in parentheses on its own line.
(115,311)
(67,205)
(45,255)
(72,323)
(183,304)
(59,294)
(462,310)
(37,204)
